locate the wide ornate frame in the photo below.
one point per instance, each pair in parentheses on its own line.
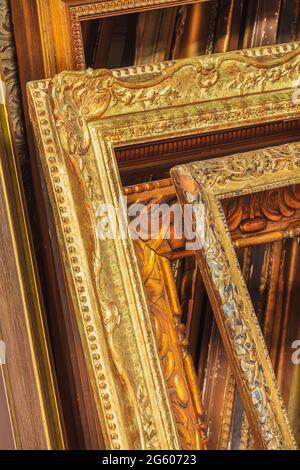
(80,118)
(205,185)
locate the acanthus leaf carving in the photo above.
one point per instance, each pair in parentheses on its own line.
(199,181)
(219,172)
(80,97)
(172,343)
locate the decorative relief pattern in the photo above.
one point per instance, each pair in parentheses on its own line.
(257,213)
(202,142)
(92,10)
(75,109)
(217,174)
(139,401)
(46,138)
(80,98)
(200,182)
(104,90)
(11,79)
(141,425)
(173,347)
(254,213)
(262,78)
(207,121)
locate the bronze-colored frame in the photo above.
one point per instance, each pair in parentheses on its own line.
(105,9)
(79,121)
(67,16)
(207,184)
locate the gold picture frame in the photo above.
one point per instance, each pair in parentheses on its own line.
(79,119)
(205,185)
(26,364)
(178,368)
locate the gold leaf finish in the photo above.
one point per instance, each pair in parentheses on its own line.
(181,379)
(206,183)
(79,119)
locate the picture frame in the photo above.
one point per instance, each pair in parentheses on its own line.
(54,54)
(80,119)
(267,221)
(207,184)
(28,380)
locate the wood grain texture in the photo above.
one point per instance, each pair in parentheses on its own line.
(28,373)
(7,439)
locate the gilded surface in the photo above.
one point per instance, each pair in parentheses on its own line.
(109,301)
(80,98)
(206,183)
(169,332)
(79,118)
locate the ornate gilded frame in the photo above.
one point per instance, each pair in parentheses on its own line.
(80,118)
(206,184)
(274,217)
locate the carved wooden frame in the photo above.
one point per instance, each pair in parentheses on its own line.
(90,10)
(80,118)
(277,220)
(67,16)
(274,216)
(178,368)
(207,184)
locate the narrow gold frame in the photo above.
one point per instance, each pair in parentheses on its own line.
(205,185)
(79,119)
(28,370)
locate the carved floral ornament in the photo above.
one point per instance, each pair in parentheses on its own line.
(206,183)
(102,9)
(78,118)
(83,97)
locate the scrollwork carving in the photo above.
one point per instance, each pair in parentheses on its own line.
(256,212)
(11,79)
(82,97)
(108,108)
(216,178)
(172,344)
(218,173)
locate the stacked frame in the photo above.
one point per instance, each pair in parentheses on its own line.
(79,120)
